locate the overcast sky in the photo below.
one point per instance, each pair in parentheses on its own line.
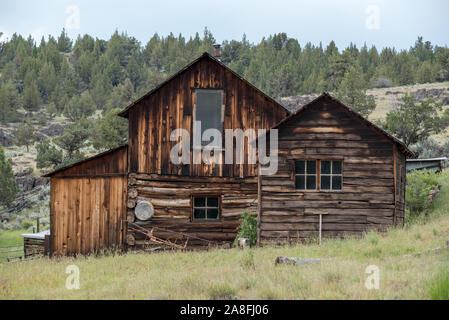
(383,23)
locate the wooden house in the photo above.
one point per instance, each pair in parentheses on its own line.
(333,163)
(135,193)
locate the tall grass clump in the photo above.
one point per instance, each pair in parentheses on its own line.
(439,286)
(419,184)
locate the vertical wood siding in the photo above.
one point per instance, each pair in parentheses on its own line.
(87,205)
(153,119)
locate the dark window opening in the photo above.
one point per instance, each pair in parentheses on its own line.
(305,174)
(206,208)
(331,175)
(208,110)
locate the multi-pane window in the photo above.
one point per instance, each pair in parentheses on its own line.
(330,175)
(305,174)
(209,110)
(206,208)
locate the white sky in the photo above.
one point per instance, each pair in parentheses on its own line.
(395,23)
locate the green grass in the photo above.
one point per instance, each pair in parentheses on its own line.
(407,271)
(9,238)
(439,286)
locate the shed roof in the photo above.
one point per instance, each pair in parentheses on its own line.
(84,160)
(404,149)
(205,55)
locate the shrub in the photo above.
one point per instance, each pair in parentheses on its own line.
(27,224)
(247,228)
(222,292)
(419,183)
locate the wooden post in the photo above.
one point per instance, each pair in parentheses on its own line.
(47,245)
(259,201)
(37,225)
(320,226)
(395,184)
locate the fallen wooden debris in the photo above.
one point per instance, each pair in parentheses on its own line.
(298,261)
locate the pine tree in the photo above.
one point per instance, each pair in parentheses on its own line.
(79,107)
(64,42)
(9,102)
(25,134)
(352,92)
(48,156)
(414,121)
(31,97)
(110,132)
(8,186)
(74,138)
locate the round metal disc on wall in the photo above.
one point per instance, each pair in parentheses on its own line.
(144,210)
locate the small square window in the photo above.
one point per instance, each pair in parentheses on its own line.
(206,208)
(305,171)
(331,175)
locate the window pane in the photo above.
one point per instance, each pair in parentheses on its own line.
(199,202)
(336,167)
(199,214)
(336,182)
(208,110)
(300,167)
(212,213)
(325,167)
(300,182)
(311,167)
(212,202)
(325,182)
(311,182)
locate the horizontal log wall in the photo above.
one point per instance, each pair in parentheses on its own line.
(171,107)
(171,198)
(367,200)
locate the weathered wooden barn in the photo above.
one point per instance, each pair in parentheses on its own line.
(331,161)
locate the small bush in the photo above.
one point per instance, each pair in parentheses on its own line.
(419,183)
(27,224)
(439,286)
(247,228)
(222,292)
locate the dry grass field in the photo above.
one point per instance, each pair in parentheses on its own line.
(408,270)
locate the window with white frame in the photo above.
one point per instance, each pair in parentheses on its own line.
(305,174)
(331,177)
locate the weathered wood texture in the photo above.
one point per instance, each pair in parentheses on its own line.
(33,247)
(171,197)
(152,120)
(87,205)
(112,162)
(367,200)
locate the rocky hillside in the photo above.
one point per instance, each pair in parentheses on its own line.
(386,98)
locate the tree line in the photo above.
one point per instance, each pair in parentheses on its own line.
(88,80)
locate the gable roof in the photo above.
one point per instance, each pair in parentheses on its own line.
(402,147)
(205,55)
